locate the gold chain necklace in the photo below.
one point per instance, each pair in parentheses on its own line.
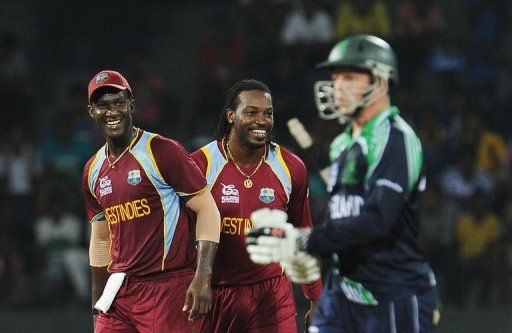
(248,181)
(112,165)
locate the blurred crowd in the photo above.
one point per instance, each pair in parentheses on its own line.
(455,63)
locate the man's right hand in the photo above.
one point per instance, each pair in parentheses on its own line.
(271,239)
(198,300)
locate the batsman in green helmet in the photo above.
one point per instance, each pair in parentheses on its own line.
(361,56)
(377,277)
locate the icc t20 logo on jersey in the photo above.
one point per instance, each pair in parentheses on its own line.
(230,194)
(267,195)
(105,186)
(134,177)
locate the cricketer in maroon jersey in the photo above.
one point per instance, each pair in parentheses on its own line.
(128,197)
(246,172)
(136,188)
(280,183)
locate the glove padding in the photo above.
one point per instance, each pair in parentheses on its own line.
(271,239)
(302,268)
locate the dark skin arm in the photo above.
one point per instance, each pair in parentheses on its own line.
(99,280)
(198,300)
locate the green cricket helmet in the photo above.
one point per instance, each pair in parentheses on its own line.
(366,53)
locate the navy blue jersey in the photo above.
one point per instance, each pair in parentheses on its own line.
(372,221)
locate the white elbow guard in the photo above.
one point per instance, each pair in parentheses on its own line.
(99,247)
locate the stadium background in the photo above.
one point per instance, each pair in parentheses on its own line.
(180,57)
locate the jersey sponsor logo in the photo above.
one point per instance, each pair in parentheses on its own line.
(341,206)
(134,177)
(236,225)
(388,183)
(105,186)
(127,211)
(101,77)
(229,194)
(267,195)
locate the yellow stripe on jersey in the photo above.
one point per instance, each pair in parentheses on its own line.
(216,162)
(283,163)
(153,162)
(208,161)
(91,166)
(183,194)
(110,247)
(151,156)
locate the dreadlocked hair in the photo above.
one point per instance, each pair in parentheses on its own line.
(232,101)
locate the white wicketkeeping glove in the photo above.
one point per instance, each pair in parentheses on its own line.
(271,239)
(302,268)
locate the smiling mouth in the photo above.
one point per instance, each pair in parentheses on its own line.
(259,133)
(114,123)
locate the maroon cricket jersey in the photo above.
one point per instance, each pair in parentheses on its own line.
(140,198)
(280,183)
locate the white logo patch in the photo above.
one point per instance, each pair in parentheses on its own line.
(388,183)
(229,194)
(105,186)
(422,185)
(341,206)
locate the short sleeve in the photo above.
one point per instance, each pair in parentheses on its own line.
(200,159)
(177,167)
(93,209)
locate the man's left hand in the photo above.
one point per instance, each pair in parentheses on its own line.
(302,268)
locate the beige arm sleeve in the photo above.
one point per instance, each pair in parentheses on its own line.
(99,247)
(208,216)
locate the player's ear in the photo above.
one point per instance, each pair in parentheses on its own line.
(229,115)
(90,109)
(131,103)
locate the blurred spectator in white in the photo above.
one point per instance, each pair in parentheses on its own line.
(307,24)
(363,17)
(463,179)
(59,234)
(19,172)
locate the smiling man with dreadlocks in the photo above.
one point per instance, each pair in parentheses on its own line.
(245,172)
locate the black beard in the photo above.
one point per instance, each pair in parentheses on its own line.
(245,142)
